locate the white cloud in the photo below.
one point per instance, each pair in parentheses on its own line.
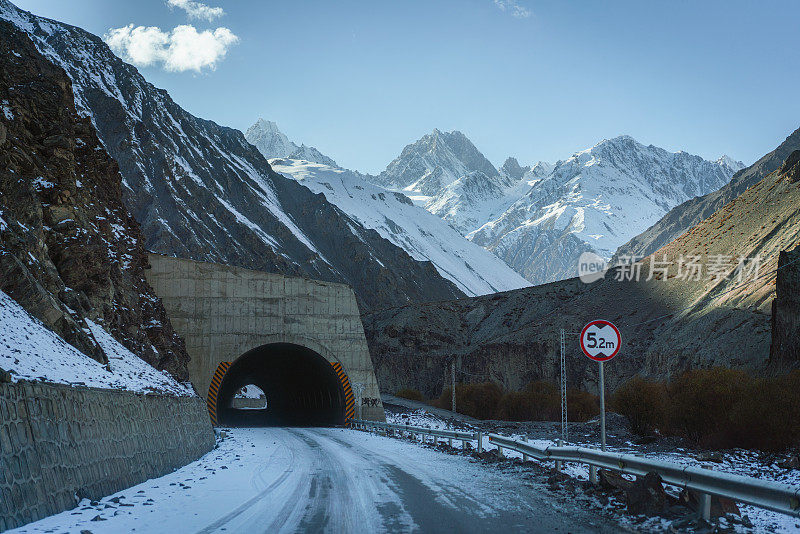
(513,7)
(184,48)
(197,10)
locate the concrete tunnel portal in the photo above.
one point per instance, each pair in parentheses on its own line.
(302,388)
(299,341)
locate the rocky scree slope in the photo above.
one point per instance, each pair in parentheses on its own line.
(201,191)
(686,215)
(69,250)
(668,323)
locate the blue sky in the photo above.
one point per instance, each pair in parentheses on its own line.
(534,79)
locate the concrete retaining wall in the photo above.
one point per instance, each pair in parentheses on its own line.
(58,441)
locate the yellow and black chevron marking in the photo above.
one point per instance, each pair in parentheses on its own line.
(349,399)
(213,390)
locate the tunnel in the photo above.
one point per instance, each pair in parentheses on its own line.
(300,385)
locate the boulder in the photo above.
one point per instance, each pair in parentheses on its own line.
(644,496)
(647,496)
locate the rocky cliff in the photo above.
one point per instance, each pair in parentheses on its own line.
(69,250)
(785,348)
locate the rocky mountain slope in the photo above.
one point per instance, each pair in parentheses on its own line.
(200,190)
(684,216)
(69,250)
(678,318)
(272,143)
(594,201)
(423,235)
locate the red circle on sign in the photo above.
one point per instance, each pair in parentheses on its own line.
(601,323)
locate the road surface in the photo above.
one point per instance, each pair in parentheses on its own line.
(328,480)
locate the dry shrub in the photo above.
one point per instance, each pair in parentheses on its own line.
(539,401)
(476,400)
(717,408)
(768,416)
(410,394)
(643,402)
(581,405)
(702,402)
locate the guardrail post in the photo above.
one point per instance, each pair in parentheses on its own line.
(559,443)
(500,451)
(450,442)
(705,506)
(480,442)
(593,475)
(524,455)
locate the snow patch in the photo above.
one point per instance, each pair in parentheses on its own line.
(30,351)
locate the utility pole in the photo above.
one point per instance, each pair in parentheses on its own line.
(453,383)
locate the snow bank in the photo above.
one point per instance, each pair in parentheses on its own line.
(29,351)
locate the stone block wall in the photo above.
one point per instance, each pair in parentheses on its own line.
(60,443)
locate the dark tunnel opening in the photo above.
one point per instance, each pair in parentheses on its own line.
(300,385)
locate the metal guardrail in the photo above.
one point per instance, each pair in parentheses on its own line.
(450,435)
(776,496)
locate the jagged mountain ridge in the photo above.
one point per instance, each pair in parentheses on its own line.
(594,201)
(69,250)
(423,235)
(272,143)
(201,191)
(540,219)
(684,216)
(447,175)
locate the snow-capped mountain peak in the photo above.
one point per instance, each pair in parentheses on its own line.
(727,161)
(272,143)
(433,162)
(596,200)
(513,169)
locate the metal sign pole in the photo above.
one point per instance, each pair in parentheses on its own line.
(602,409)
(563,390)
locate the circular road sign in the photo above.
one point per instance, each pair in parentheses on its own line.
(600,340)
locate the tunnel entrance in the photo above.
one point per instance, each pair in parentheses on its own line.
(300,387)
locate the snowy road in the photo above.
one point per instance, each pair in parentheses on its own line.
(331,480)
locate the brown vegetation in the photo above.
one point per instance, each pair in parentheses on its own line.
(410,394)
(717,408)
(538,401)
